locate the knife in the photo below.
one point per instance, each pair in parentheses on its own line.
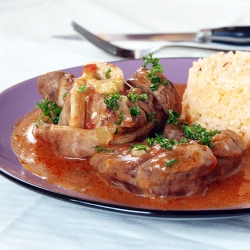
(239,35)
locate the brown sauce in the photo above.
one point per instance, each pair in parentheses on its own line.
(78,175)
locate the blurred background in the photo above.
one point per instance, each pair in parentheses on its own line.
(27,28)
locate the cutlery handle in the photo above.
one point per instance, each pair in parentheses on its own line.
(229,35)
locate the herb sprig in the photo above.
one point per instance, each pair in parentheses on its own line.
(121,118)
(100,149)
(107,74)
(135,111)
(155,71)
(171,162)
(164,142)
(173,117)
(111,100)
(159,139)
(139,147)
(50,110)
(150,116)
(197,132)
(83,88)
(136,98)
(65,95)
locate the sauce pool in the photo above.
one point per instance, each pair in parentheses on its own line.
(35,155)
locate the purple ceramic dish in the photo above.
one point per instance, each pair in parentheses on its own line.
(18,100)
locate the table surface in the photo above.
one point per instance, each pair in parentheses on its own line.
(29,220)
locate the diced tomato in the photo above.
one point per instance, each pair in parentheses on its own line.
(89,125)
(213,165)
(89,67)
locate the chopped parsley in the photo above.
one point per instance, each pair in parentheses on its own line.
(83,88)
(171,162)
(155,71)
(107,74)
(135,97)
(184,140)
(173,117)
(135,111)
(99,149)
(65,95)
(159,139)
(143,97)
(111,100)
(196,132)
(150,116)
(193,132)
(150,141)
(116,131)
(164,142)
(50,110)
(121,118)
(139,147)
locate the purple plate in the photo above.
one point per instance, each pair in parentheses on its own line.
(18,100)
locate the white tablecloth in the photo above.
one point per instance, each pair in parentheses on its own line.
(29,220)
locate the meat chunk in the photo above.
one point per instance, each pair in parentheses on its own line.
(54,85)
(166,95)
(147,172)
(67,141)
(88,110)
(229,149)
(173,131)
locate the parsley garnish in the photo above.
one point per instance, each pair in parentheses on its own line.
(171,162)
(65,95)
(49,110)
(143,97)
(111,100)
(159,139)
(83,88)
(116,131)
(150,116)
(150,141)
(164,142)
(121,117)
(196,132)
(107,74)
(173,117)
(135,111)
(99,149)
(154,72)
(184,140)
(139,147)
(135,97)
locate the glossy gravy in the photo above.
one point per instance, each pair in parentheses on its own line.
(77,175)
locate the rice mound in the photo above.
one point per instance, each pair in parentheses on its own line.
(218,93)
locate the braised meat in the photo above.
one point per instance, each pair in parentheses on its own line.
(67,141)
(114,118)
(103,116)
(166,95)
(173,131)
(147,172)
(229,150)
(54,85)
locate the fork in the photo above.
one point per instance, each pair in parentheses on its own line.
(128,53)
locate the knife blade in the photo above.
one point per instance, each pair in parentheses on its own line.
(239,35)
